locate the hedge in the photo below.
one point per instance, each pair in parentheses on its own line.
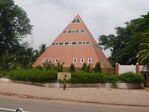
(83,77)
(47,76)
(131,78)
(33,75)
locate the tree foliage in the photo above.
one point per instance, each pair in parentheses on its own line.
(143,54)
(86,67)
(14,26)
(97,67)
(72,68)
(42,48)
(125,45)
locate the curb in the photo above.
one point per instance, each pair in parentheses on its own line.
(70,100)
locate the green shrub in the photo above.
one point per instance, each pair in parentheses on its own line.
(84,77)
(131,78)
(46,76)
(94,77)
(72,68)
(97,67)
(33,75)
(1,74)
(59,67)
(112,78)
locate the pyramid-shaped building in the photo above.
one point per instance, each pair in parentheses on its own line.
(74,45)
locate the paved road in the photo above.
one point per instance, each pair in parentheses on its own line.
(60,106)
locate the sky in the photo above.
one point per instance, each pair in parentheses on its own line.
(50,17)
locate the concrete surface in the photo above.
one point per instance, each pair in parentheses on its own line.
(89,95)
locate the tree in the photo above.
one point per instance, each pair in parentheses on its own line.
(42,48)
(59,66)
(97,67)
(14,26)
(143,54)
(124,46)
(86,67)
(72,68)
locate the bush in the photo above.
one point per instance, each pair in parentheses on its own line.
(112,78)
(1,74)
(97,67)
(84,77)
(131,78)
(47,76)
(94,77)
(86,67)
(33,75)
(72,68)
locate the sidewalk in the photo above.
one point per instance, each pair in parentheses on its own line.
(89,95)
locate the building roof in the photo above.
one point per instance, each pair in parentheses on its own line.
(75,44)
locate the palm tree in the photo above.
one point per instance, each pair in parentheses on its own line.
(143,54)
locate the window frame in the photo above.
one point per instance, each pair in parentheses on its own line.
(82,60)
(80,43)
(89,60)
(74,60)
(43,60)
(56,60)
(73,43)
(82,30)
(61,43)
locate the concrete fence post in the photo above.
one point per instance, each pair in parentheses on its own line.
(117,68)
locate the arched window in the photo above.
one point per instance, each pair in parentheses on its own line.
(56,60)
(43,60)
(82,60)
(89,60)
(75,60)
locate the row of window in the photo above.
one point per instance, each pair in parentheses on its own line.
(56,60)
(75,60)
(82,60)
(74,31)
(71,43)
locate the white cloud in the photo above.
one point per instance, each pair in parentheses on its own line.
(49,17)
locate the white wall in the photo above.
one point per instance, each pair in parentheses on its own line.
(144,68)
(132,68)
(127,68)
